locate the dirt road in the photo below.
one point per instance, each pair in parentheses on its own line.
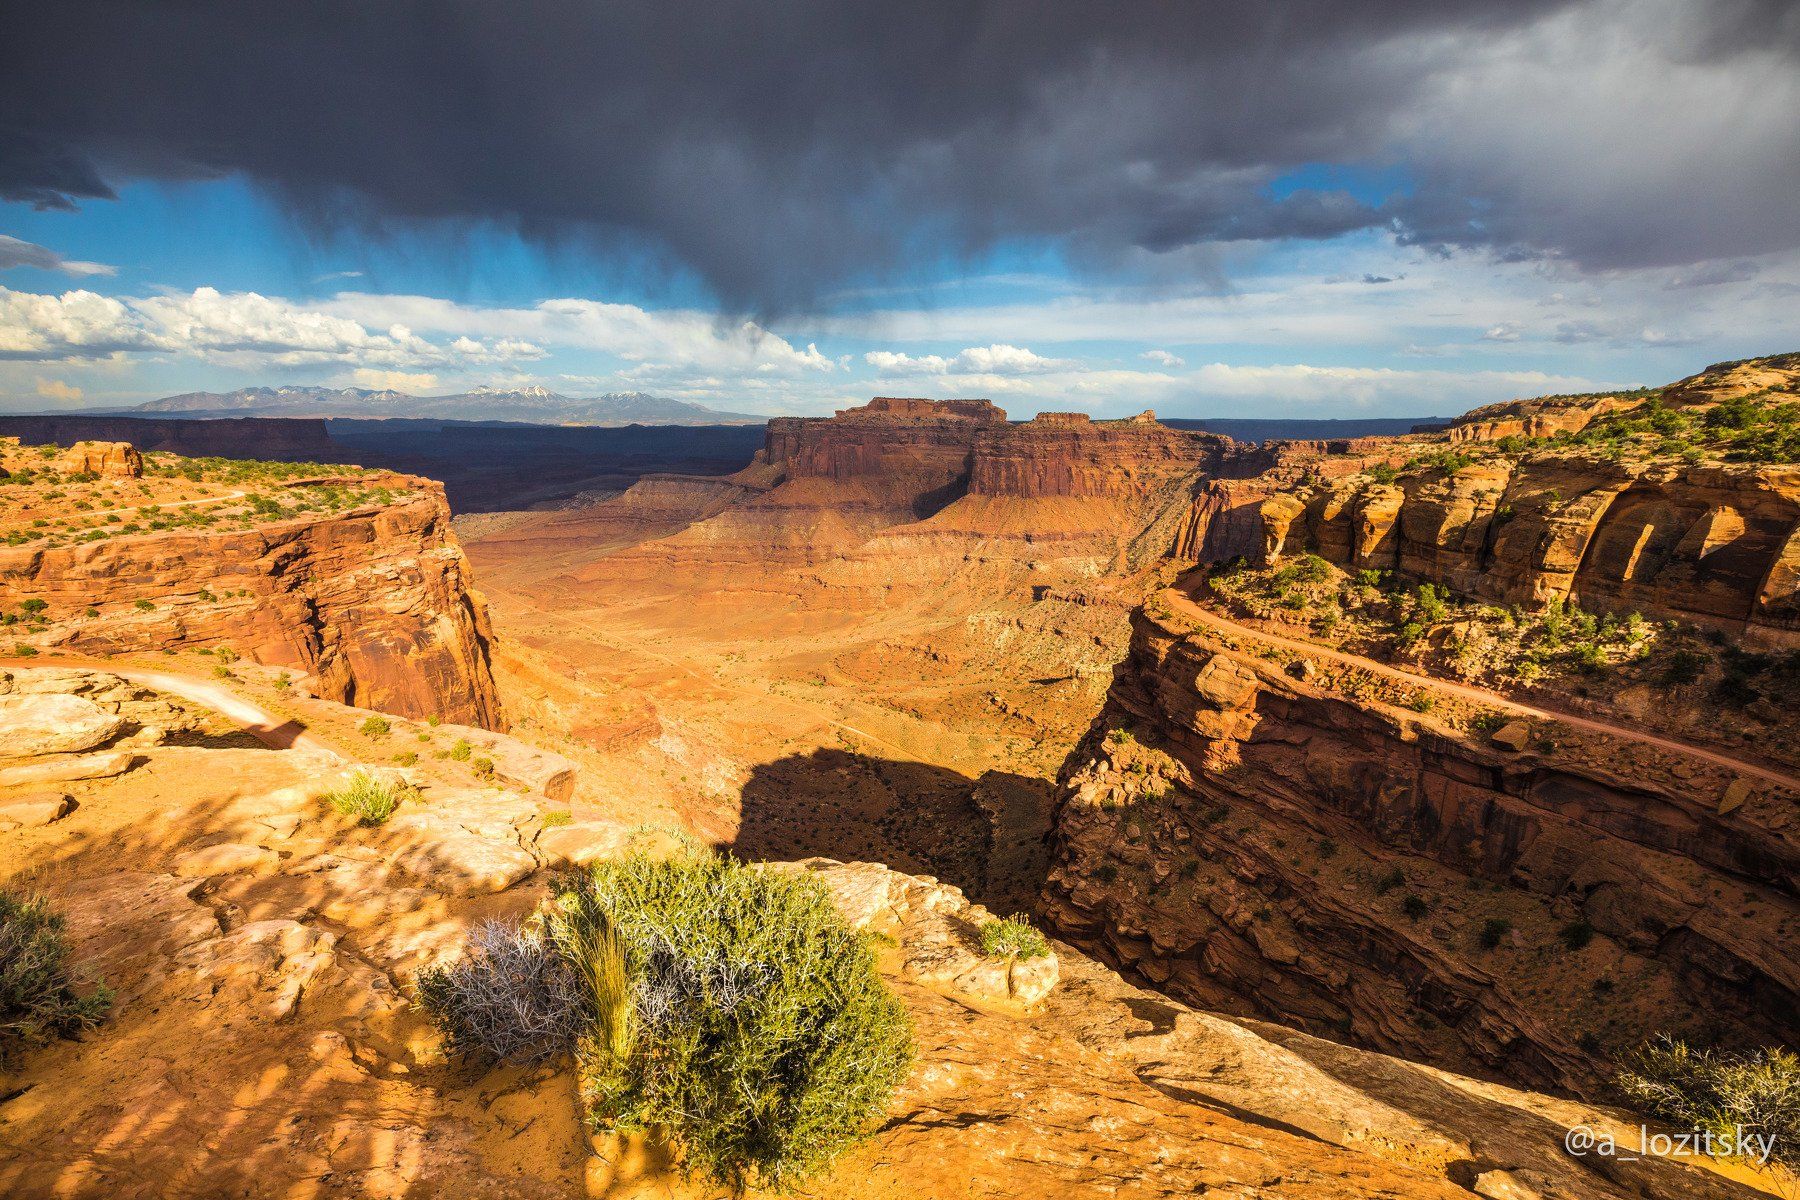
(1180,602)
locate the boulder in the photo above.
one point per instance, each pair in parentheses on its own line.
(1514,735)
(581,843)
(1226,683)
(33,725)
(68,768)
(937,931)
(1736,792)
(34,809)
(112,460)
(453,860)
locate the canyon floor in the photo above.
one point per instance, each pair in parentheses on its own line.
(921,728)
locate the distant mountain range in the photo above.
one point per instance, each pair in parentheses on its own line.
(534,404)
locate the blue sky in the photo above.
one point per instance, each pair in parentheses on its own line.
(217,288)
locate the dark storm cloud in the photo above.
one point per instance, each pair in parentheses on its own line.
(790,146)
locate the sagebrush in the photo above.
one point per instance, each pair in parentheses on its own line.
(1721,1093)
(727,1009)
(38,996)
(513,996)
(765,1040)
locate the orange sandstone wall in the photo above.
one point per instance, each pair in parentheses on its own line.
(375,603)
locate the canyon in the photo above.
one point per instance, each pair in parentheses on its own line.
(1327,919)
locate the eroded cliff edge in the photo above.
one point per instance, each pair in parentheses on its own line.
(1257,832)
(352,578)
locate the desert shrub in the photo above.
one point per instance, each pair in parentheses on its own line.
(38,1000)
(1721,1093)
(371,800)
(1015,937)
(143,605)
(406,758)
(33,606)
(1308,568)
(1684,667)
(1433,603)
(375,727)
(1494,932)
(1576,934)
(1415,907)
(559,817)
(1383,473)
(482,767)
(24,650)
(757,1035)
(222,671)
(513,996)
(460,750)
(1388,882)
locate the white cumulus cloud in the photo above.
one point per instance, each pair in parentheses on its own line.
(997,359)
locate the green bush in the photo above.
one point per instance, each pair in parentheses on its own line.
(1308,568)
(38,1000)
(24,650)
(755,1033)
(1494,932)
(1015,937)
(1721,1094)
(369,799)
(375,727)
(461,750)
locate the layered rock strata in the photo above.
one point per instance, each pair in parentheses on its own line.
(1251,840)
(374,603)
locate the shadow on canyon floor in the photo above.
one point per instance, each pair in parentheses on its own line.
(984,834)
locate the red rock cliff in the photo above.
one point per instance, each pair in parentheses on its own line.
(1264,844)
(374,602)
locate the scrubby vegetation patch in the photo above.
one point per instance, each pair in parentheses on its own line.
(725,1008)
(1014,937)
(1723,1094)
(38,995)
(369,798)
